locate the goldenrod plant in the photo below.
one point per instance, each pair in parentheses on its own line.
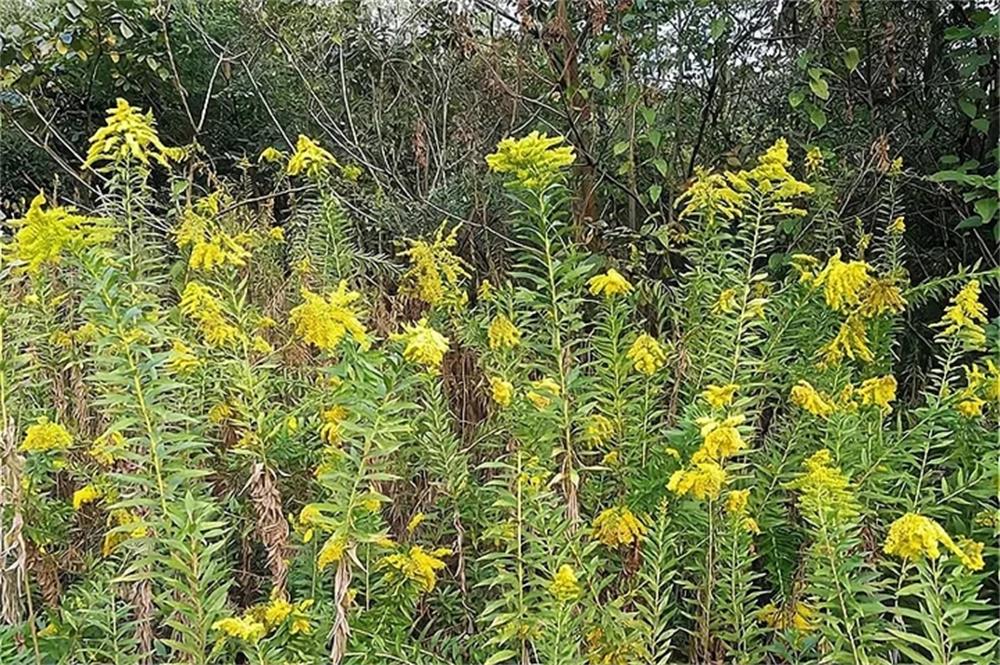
(233,436)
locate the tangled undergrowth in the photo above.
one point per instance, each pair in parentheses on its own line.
(224,441)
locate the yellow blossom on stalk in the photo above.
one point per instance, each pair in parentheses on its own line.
(332,418)
(502,333)
(260,345)
(309,158)
(310,515)
(43,235)
(646,354)
(331,552)
(84,495)
(736,501)
(300,620)
(244,628)
(843,282)
(415,522)
(485,291)
(220,413)
(992,388)
(219,250)
(805,396)
(108,448)
(599,429)
(564,586)
(750,524)
(823,487)
(914,536)
(881,296)
(618,526)
(542,392)
(710,194)
(814,159)
(200,303)
(424,345)
(611,458)
(798,616)
(435,271)
(971,407)
(610,284)
(720,396)
(44,436)
(879,391)
(720,439)
(270,155)
(771,177)
(276,611)
(806,266)
(704,480)
(182,360)
(418,565)
(324,322)
(726,302)
(851,341)
(898,226)
(965,316)
(502,391)
(131,527)
(129,134)
(534,161)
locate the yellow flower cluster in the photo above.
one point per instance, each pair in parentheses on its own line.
(542,392)
(564,586)
(843,282)
(914,536)
(243,628)
(824,488)
(720,439)
(534,161)
(965,317)
(599,430)
(424,345)
(332,418)
(610,284)
(646,355)
(418,565)
(210,248)
(736,501)
(200,303)
(898,226)
(182,360)
(324,322)
(880,391)
(798,616)
(309,158)
(127,525)
(771,178)
(501,390)
(617,526)
(710,194)
(44,436)
(502,333)
(107,448)
(815,402)
(851,341)
(977,387)
(84,495)
(435,272)
(720,396)
(704,480)
(726,302)
(881,296)
(43,235)
(332,551)
(129,134)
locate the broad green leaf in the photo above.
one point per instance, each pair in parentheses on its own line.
(851,59)
(820,88)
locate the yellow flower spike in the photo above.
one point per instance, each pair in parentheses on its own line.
(44,436)
(418,565)
(415,522)
(617,526)
(805,396)
(881,296)
(332,418)
(129,134)
(843,282)
(243,628)
(610,284)
(485,291)
(721,439)
(710,194)
(898,226)
(913,536)
(599,430)
(502,333)
(331,552)
(435,271)
(324,322)
(646,354)
(534,161)
(270,155)
(971,407)
(201,304)
(736,501)
(309,158)
(823,487)
(814,159)
(542,392)
(502,391)
(424,345)
(720,396)
(726,302)
(564,586)
(84,495)
(880,391)
(972,553)
(965,317)
(851,341)
(704,480)
(182,360)
(43,235)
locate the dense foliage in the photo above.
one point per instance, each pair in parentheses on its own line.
(659,373)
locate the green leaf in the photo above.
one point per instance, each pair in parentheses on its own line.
(620,148)
(597,76)
(820,88)
(648,115)
(985,208)
(795,98)
(817,117)
(970,222)
(499,657)
(851,59)
(968,108)
(981,124)
(718,26)
(661,166)
(654,136)
(654,192)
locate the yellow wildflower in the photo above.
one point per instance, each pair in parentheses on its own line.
(300,620)
(309,158)
(260,345)
(703,481)
(726,302)
(851,341)
(914,536)
(599,430)
(898,226)
(324,322)
(564,586)
(823,487)
(814,159)
(418,565)
(310,515)
(965,316)
(810,399)
(485,291)
(972,553)
(798,616)
(720,439)
(543,392)
(617,526)
(806,266)
(843,282)
(710,194)
(611,283)
(84,495)
(276,611)
(971,407)
(270,155)
(415,522)
(736,501)
(646,355)
(750,524)
(502,391)
(44,436)
(611,458)
(720,396)
(879,391)
(129,134)
(331,552)
(243,628)
(424,345)
(502,333)
(129,525)
(534,161)
(435,272)
(43,235)
(107,448)
(220,413)
(329,431)
(881,296)
(182,359)
(200,303)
